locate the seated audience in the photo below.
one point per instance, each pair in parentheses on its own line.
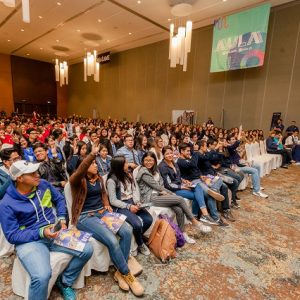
(129,152)
(171,176)
(90,202)
(152,190)
(157,148)
(275,146)
(124,198)
(27,220)
(50,169)
(239,165)
(103,161)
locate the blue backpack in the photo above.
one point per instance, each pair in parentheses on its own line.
(180,240)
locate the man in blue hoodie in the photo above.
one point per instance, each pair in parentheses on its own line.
(27,221)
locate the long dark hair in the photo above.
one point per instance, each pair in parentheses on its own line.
(153,170)
(117,170)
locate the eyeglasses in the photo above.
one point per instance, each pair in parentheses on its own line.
(149,160)
(13,159)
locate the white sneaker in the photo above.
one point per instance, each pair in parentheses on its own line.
(261,188)
(260,194)
(144,249)
(203,228)
(188,239)
(134,253)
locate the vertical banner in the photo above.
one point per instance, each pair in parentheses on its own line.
(239,40)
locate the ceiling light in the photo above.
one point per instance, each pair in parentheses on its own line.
(78,30)
(8,40)
(27,54)
(169,20)
(40,17)
(180,45)
(25,8)
(108,41)
(22,30)
(91,66)
(99,20)
(139,2)
(224,0)
(61,72)
(41,48)
(129,33)
(58,3)
(57,41)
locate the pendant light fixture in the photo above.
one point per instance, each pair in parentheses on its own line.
(91,67)
(61,72)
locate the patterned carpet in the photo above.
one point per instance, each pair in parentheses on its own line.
(257,257)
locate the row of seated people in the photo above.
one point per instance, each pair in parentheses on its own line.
(199,175)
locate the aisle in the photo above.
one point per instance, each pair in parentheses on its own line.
(258,257)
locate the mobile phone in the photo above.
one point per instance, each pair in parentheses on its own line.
(57,227)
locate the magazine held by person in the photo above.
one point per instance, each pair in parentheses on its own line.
(72,239)
(113,221)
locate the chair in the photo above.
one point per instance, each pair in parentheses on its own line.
(5,247)
(266,160)
(276,158)
(21,279)
(255,159)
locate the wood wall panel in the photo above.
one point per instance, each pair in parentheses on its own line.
(6,92)
(140,81)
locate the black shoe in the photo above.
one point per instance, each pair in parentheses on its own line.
(235,205)
(285,166)
(237,198)
(228,215)
(221,223)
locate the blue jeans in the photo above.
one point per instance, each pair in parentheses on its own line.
(255,177)
(138,226)
(196,195)
(211,202)
(118,250)
(35,257)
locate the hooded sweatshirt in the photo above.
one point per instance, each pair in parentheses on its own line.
(24,217)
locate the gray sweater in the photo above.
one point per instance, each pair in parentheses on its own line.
(147,184)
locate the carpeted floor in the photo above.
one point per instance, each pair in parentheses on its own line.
(257,257)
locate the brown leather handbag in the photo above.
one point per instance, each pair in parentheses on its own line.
(162,241)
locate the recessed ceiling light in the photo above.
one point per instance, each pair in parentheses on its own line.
(139,2)
(57,41)
(78,30)
(27,54)
(8,40)
(58,3)
(22,30)
(108,41)
(41,48)
(129,33)
(169,20)
(224,0)
(40,17)
(99,20)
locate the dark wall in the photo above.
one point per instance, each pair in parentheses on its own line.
(33,85)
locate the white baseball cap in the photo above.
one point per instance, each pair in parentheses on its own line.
(22,167)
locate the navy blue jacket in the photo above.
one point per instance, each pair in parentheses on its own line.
(172,179)
(189,167)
